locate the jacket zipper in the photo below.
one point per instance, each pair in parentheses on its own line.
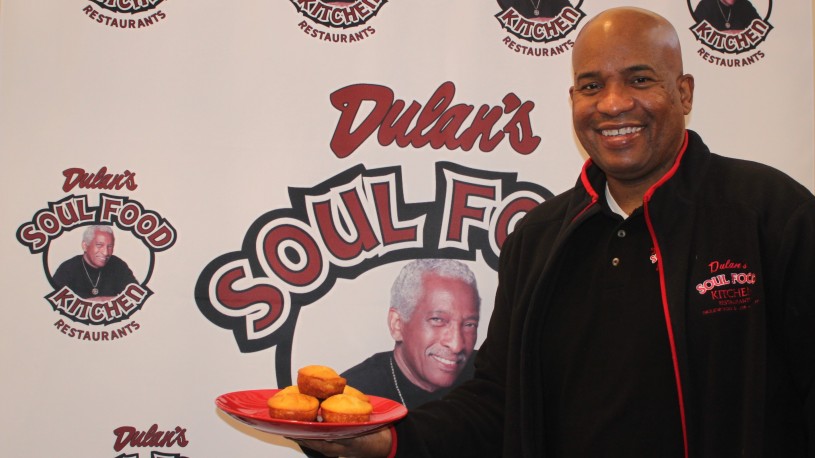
(664,293)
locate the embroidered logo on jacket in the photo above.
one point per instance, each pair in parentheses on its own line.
(730,287)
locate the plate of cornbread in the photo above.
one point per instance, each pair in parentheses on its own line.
(320,406)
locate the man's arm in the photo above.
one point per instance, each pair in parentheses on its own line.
(798,246)
(375,445)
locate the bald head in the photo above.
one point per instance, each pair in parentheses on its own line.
(631,26)
(630,98)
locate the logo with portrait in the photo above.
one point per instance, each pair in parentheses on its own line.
(338,21)
(731,26)
(349,226)
(125,14)
(98,260)
(539,22)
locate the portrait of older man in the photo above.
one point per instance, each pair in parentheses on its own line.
(535,9)
(95,274)
(433,319)
(726,15)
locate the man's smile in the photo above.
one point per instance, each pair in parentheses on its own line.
(620,131)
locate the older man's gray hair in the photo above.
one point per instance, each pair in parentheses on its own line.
(90,232)
(409,285)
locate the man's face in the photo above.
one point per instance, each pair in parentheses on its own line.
(99,250)
(435,344)
(629,101)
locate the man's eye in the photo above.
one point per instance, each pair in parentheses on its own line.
(590,87)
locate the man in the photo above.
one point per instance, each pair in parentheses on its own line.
(433,319)
(726,15)
(96,274)
(661,307)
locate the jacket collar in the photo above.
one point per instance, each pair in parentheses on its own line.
(593,180)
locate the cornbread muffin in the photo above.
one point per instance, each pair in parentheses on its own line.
(319,381)
(293,406)
(345,408)
(350,390)
(288,389)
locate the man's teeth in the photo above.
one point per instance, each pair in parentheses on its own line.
(623,131)
(444,360)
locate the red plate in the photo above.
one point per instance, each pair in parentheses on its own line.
(249,407)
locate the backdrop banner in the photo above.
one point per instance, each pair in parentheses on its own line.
(202,197)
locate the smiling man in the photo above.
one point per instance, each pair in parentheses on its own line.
(96,274)
(433,319)
(662,307)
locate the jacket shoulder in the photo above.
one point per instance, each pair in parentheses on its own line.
(754,181)
(551,210)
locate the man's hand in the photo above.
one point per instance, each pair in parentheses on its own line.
(373,445)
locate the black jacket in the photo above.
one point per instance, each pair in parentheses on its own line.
(744,358)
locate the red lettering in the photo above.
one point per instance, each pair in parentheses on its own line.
(128,436)
(233,297)
(436,123)
(556,28)
(110,207)
(293,255)
(485,119)
(163,237)
(519,128)
(35,239)
(462,210)
(146,224)
(386,214)
(104,312)
(359,235)
(77,177)
(716,265)
(349,100)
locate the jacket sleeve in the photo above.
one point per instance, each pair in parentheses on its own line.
(798,264)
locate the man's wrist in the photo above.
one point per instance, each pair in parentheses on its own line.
(392,453)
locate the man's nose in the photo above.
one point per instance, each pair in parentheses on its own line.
(615,99)
(454,339)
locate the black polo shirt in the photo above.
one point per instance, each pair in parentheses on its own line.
(609,385)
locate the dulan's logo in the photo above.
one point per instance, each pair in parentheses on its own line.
(95,291)
(338,21)
(125,14)
(153,438)
(539,28)
(730,286)
(731,31)
(348,225)
(438,122)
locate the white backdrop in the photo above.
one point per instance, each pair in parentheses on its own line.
(219,112)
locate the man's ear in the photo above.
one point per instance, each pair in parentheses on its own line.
(395,324)
(686,86)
